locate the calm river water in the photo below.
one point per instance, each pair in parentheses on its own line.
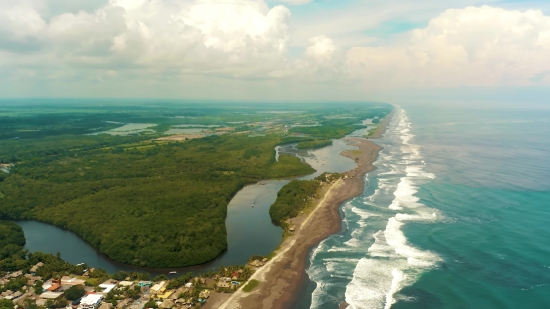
(250,230)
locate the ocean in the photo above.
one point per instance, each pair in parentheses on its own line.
(457,215)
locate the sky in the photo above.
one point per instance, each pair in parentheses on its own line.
(277,50)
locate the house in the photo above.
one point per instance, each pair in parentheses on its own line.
(145,283)
(17,294)
(126,283)
(66,280)
(41,302)
(32,279)
(91,301)
(35,268)
(235,275)
(107,287)
(157,287)
(16,274)
(54,287)
(50,295)
(205,294)
(167,303)
(165,295)
(257,263)
(224,282)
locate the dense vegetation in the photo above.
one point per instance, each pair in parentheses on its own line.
(74,292)
(147,202)
(161,206)
(6,304)
(12,240)
(293,198)
(314,144)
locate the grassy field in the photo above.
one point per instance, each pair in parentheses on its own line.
(251,285)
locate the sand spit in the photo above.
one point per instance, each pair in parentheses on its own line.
(283,275)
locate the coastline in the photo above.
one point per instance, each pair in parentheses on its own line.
(284,274)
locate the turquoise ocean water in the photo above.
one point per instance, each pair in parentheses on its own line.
(457,215)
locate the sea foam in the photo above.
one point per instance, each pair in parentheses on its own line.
(391,262)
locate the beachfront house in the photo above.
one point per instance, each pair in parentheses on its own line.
(224,282)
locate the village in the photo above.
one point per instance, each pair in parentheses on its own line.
(28,290)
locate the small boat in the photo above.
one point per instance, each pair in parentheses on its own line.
(172,273)
(252,205)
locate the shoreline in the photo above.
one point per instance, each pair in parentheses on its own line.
(284,274)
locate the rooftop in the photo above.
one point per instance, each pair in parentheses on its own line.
(107,287)
(50,295)
(91,299)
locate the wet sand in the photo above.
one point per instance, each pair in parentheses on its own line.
(382,126)
(283,275)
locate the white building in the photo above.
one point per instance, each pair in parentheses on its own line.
(107,287)
(91,301)
(157,287)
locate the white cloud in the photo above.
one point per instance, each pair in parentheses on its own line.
(210,43)
(321,49)
(322,61)
(296,2)
(475,46)
(232,37)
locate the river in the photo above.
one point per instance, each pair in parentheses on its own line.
(250,230)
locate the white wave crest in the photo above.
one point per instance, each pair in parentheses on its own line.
(392,262)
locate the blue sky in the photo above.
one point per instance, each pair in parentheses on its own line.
(276,49)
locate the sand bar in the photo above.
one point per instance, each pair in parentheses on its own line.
(283,275)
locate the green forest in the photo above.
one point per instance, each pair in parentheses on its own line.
(163,206)
(12,241)
(314,144)
(293,198)
(147,202)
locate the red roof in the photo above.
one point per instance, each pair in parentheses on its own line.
(54,287)
(235,274)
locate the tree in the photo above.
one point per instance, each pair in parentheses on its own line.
(6,304)
(29,303)
(121,275)
(60,303)
(75,292)
(38,287)
(160,278)
(151,304)
(132,293)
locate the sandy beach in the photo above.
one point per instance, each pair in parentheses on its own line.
(283,275)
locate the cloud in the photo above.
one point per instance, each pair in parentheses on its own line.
(296,2)
(476,46)
(243,44)
(226,37)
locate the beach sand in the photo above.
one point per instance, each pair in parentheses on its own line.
(283,275)
(215,300)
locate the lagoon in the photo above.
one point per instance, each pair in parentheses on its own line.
(129,128)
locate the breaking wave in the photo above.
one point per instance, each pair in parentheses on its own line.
(372,260)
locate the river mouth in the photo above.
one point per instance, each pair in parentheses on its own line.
(250,230)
